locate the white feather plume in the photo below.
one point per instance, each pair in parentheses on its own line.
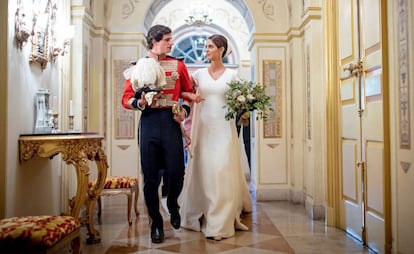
(147,72)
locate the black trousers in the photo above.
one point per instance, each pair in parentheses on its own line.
(161,149)
(246,137)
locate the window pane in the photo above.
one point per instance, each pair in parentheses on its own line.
(192,49)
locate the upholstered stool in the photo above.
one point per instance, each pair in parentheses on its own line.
(115,185)
(39,234)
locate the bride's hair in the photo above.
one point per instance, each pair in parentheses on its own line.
(221,41)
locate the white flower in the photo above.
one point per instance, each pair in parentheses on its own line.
(246,96)
(241,98)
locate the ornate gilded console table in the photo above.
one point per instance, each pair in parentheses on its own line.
(76,149)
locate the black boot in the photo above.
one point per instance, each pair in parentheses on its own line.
(175,219)
(157,234)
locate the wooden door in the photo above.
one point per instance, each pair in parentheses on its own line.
(364,158)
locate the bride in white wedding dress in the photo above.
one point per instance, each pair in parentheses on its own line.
(215,191)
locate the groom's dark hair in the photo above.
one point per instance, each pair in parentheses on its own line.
(156,33)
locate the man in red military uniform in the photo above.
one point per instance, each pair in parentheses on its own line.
(160,136)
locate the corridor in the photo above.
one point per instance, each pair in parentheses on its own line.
(274,227)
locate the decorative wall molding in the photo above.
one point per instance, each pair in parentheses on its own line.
(405,166)
(308,96)
(89,7)
(404,85)
(292,87)
(272,145)
(85,93)
(272,80)
(124,119)
(21,28)
(267,9)
(128,8)
(105,100)
(123,147)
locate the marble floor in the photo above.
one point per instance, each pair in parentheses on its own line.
(274,227)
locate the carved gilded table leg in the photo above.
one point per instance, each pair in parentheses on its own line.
(82,152)
(82,175)
(76,150)
(94,193)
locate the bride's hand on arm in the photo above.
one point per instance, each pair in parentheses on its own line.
(187,141)
(197,98)
(192,97)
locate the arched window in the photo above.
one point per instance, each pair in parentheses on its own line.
(192,50)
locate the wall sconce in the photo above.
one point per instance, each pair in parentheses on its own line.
(42,20)
(198,15)
(61,42)
(22,31)
(49,40)
(40,42)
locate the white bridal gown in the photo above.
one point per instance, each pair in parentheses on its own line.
(215,190)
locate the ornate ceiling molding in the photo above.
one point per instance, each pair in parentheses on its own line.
(267,9)
(157,5)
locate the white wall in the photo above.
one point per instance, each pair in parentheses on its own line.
(315,153)
(270,167)
(3,105)
(402,160)
(32,187)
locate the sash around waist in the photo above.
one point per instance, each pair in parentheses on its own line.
(162,103)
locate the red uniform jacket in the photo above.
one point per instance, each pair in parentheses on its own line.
(176,74)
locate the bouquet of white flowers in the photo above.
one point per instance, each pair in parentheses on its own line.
(245,96)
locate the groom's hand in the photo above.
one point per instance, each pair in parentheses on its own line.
(142,101)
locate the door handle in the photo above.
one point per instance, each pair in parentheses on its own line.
(355,69)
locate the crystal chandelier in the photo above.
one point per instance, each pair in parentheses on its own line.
(198,15)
